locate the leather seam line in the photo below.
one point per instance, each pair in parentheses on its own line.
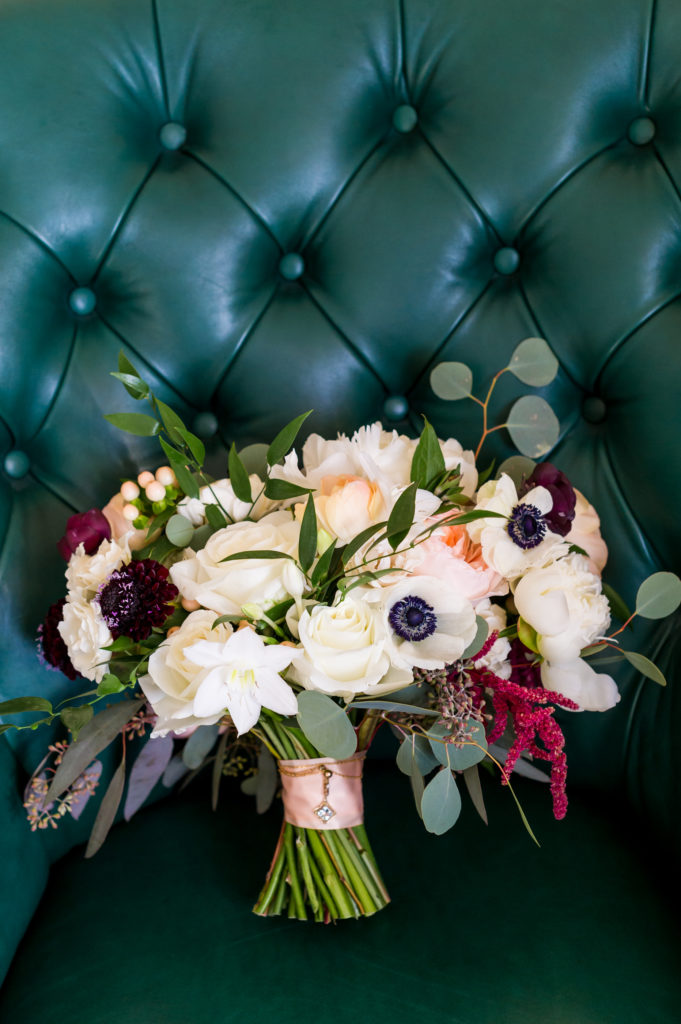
(542,334)
(237,195)
(242,342)
(309,238)
(402,44)
(450,333)
(5,423)
(356,352)
(60,384)
(51,490)
(159,56)
(617,345)
(663,165)
(644,81)
(40,242)
(149,365)
(122,219)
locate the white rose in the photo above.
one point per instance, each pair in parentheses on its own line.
(85,633)
(222,493)
(173,682)
(225,587)
(345,651)
(86,573)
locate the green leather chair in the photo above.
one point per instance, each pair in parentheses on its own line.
(275,204)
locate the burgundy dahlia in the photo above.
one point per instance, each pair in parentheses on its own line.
(137,597)
(86,528)
(51,648)
(559,519)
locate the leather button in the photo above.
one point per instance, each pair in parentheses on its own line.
(395,408)
(405,119)
(641,131)
(172,135)
(17,464)
(594,409)
(292,266)
(82,301)
(206,424)
(506,260)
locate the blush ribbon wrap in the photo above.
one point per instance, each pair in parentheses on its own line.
(322,793)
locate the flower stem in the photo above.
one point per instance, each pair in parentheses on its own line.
(292,877)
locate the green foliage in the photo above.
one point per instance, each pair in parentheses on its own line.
(326,725)
(17,705)
(533,426)
(137,423)
(321,569)
(245,555)
(254,458)
(285,439)
(414,754)
(179,531)
(353,546)
(659,595)
(107,810)
(452,381)
(618,607)
(518,467)
(307,541)
(135,387)
(401,518)
(441,803)
(109,684)
(199,745)
(396,706)
(280,490)
(534,363)
(454,757)
(428,461)
(645,666)
(76,718)
(171,421)
(528,636)
(479,640)
(216,519)
(471,777)
(238,476)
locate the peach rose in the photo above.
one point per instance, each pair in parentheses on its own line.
(586,534)
(450,555)
(346,505)
(120,526)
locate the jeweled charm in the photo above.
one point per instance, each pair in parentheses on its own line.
(324,812)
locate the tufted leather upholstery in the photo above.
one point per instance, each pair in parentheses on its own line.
(272,206)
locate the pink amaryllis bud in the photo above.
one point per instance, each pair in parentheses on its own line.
(86,528)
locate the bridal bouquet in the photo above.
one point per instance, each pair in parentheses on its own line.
(270,622)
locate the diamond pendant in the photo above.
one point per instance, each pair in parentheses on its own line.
(324,812)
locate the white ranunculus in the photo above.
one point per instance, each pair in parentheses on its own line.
(565,604)
(497,658)
(173,680)
(222,493)
(593,691)
(225,587)
(345,651)
(86,573)
(85,634)
(499,550)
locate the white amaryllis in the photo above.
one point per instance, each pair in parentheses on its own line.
(86,573)
(534,544)
(429,624)
(225,587)
(345,651)
(222,493)
(242,676)
(85,634)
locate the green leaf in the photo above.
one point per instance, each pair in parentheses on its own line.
(109,684)
(76,718)
(137,423)
(179,531)
(216,518)
(121,643)
(202,534)
(645,666)
(321,569)
(6,727)
(618,606)
(486,473)
(218,764)
(415,754)
(93,738)
(199,745)
(244,555)
(470,517)
(528,636)
(186,480)
(441,803)
(458,758)
(20,704)
(471,777)
(418,786)
(401,518)
(534,363)
(171,421)
(533,426)
(107,810)
(452,381)
(428,462)
(254,458)
(279,490)
(267,780)
(125,366)
(395,706)
(195,445)
(175,457)
(307,542)
(479,640)
(238,476)
(659,595)
(326,725)
(284,439)
(518,467)
(135,387)
(353,546)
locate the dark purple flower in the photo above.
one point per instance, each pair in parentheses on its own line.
(86,528)
(135,598)
(559,519)
(51,648)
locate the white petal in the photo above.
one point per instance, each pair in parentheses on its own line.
(540,497)
(593,691)
(212,693)
(205,653)
(275,693)
(243,707)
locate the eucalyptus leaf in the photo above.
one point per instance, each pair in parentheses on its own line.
(17,705)
(471,777)
(427,462)
(175,771)
(414,754)
(395,706)
(107,811)
(441,803)
(307,542)
(326,725)
(479,640)
(238,476)
(454,757)
(659,595)
(645,666)
(199,745)
(148,769)
(452,381)
(76,718)
(268,778)
(80,795)
(534,363)
(533,426)
(92,739)
(202,534)
(418,786)
(285,439)
(518,467)
(179,531)
(137,423)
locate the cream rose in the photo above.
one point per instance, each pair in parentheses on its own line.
(86,573)
(345,651)
(222,493)
(586,534)
(174,681)
(85,634)
(225,587)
